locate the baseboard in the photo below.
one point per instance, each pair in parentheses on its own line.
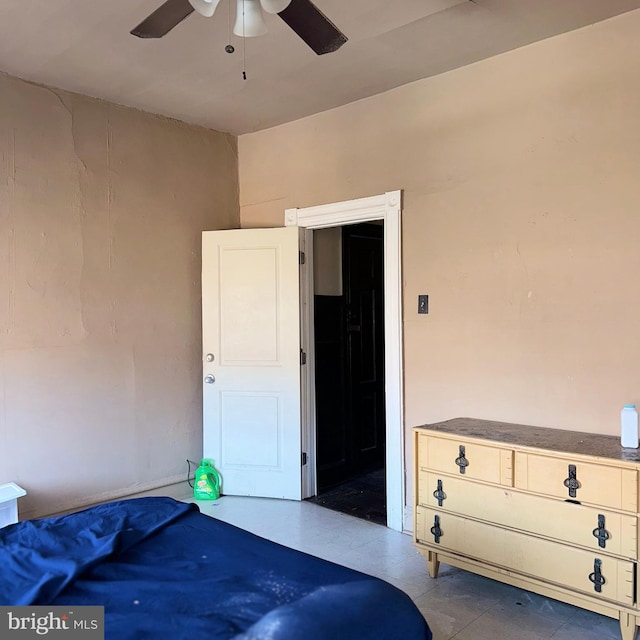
(174,486)
(407,525)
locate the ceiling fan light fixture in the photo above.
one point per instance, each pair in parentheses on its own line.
(249,19)
(275,6)
(205,8)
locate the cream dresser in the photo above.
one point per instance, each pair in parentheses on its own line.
(547,510)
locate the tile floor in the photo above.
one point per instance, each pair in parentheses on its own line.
(457,605)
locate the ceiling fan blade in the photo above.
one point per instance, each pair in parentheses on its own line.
(313,26)
(163,19)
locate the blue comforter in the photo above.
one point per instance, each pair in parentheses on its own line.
(163,570)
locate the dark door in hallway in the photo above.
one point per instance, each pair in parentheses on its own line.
(364,300)
(349,329)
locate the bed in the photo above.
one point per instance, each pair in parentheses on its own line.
(164,570)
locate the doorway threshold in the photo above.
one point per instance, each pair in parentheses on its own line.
(363,497)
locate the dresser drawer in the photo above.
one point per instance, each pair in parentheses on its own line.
(556,563)
(468,459)
(562,521)
(598,484)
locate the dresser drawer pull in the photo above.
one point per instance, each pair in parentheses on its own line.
(461,461)
(440,495)
(572,481)
(596,577)
(600,532)
(436,531)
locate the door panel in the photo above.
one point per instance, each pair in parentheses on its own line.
(263,450)
(251,389)
(248,306)
(364,300)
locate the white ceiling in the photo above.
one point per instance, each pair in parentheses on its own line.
(85,46)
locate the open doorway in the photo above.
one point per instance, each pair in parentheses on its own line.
(349,369)
(385,207)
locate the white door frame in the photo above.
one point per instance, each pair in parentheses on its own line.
(386,207)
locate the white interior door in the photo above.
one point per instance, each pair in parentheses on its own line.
(251,356)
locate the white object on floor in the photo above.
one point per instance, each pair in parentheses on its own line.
(9,494)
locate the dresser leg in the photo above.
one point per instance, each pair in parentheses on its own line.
(627,626)
(433,565)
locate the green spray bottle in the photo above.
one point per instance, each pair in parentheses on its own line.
(207,481)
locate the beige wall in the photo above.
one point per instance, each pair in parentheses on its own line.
(521,179)
(327,261)
(101,210)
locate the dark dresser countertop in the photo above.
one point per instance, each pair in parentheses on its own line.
(561,440)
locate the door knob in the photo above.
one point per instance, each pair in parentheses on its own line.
(209,379)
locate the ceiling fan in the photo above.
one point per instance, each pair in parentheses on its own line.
(302,16)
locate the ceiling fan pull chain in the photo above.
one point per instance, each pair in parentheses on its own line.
(244,48)
(244,59)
